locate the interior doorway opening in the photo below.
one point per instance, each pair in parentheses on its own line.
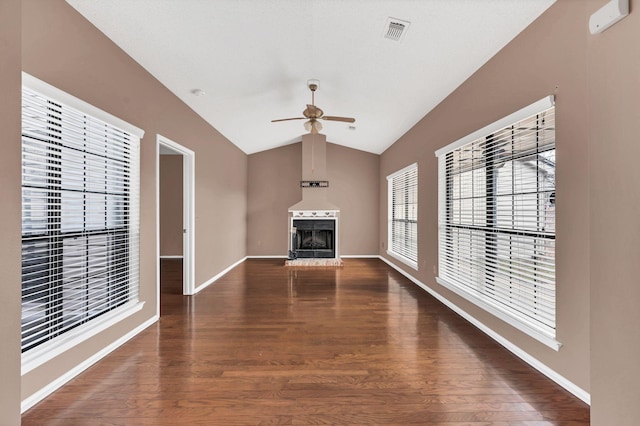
(175,236)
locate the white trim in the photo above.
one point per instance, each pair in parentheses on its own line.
(189,220)
(526,112)
(390,252)
(45,352)
(314,214)
(188,216)
(177,256)
(346,256)
(70,100)
(54,385)
(403,259)
(304,216)
(403,170)
(516,322)
(523,355)
(218,276)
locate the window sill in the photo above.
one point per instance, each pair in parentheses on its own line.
(51,349)
(488,305)
(403,259)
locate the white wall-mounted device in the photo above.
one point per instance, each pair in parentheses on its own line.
(608,15)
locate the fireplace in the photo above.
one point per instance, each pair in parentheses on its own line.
(314,238)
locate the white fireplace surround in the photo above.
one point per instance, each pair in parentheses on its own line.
(315,215)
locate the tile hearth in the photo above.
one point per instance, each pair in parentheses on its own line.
(314,262)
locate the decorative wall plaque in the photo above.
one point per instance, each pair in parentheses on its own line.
(314,184)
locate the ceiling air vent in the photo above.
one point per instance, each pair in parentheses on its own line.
(395,29)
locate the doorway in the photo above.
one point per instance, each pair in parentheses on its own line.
(186,232)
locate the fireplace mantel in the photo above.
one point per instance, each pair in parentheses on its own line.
(314,213)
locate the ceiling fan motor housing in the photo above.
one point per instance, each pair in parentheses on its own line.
(313,84)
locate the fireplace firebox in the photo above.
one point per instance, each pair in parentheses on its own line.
(314,238)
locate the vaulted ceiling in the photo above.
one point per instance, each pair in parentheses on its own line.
(252,59)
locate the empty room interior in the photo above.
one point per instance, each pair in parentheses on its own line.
(292,212)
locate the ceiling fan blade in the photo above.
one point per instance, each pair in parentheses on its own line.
(287,119)
(345,119)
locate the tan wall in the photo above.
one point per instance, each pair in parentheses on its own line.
(274,186)
(353,177)
(60,47)
(10,212)
(549,57)
(614,142)
(171,205)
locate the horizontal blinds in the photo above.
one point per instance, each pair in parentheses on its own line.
(80,197)
(497,218)
(404,213)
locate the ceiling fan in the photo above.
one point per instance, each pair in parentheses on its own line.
(312,113)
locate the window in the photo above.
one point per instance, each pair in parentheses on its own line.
(403,215)
(80,220)
(497,219)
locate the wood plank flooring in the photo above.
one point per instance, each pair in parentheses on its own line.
(358,345)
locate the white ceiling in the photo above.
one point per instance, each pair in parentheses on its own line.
(254,57)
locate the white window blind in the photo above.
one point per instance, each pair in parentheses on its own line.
(497,220)
(80,220)
(403,215)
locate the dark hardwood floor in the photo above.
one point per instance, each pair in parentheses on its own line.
(359,345)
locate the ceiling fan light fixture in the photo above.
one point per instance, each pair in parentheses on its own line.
(313,126)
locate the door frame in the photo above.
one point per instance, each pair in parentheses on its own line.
(188,214)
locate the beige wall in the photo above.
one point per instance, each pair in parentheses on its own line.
(353,177)
(614,142)
(60,47)
(10,212)
(549,57)
(274,186)
(171,205)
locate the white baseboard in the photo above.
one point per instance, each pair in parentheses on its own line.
(346,256)
(47,390)
(217,276)
(523,355)
(177,256)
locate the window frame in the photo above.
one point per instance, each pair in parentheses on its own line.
(544,334)
(406,171)
(37,355)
